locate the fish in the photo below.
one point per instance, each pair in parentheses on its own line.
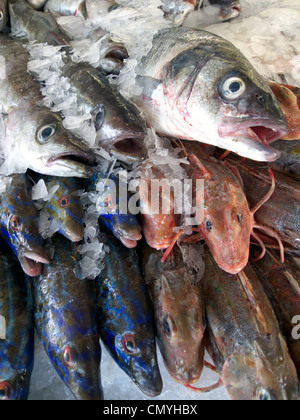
(289,104)
(17,337)
(281,283)
(281,212)
(110,205)
(65,322)
(64,207)
(35,137)
(244,338)
(36,4)
(289,161)
(67,7)
(19,219)
(178,10)
(125,316)
(198,86)
(179,312)
(229,9)
(119,128)
(3,14)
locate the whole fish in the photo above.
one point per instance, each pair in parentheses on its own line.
(110,201)
(290,108)
(36,4)
(125,317)
(67,7)
(281,212)
(3,14)
(229,9)
(16,339)
(178,10)
(64,207)
(19,220)
(120,130)
(179,312)
(198,86)
(281,283)
(244,339)
(35,137)
(289,161)
(65,322)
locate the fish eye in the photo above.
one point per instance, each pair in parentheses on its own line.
(45,133)
(69,357)
(63,202)
(1,15)
(263,395)
(5,391)
(113,7)
(169,326)
(233,88)
(239,218)
(14,224)
(208,225)
(98,115)
(129,344)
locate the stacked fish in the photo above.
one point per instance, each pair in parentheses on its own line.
(75,273)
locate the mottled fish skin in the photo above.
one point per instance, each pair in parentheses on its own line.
(19,225)
(3,14)
(65,322)
(244,337)
(198,86)
(65,207)
(125,317)
(43,143)
(125,227)
(17,349)
(281,283)
(179,312)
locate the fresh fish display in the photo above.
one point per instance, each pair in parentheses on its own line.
(281,283)
(65,322)
(64,207)
(244,338)
(198,86)
(125,317)
(16,346)
(19,225)
(179,312)
(67,7)
(229,9)
(3,14)
(34,132)
(125,226)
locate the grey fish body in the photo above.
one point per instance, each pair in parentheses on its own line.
(198,86)
(16,346)
(289,161)
(65,322)
(244,337)
(36,132)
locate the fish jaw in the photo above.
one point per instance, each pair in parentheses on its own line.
(69,164)
(127,147)
(231,11)
(32,263)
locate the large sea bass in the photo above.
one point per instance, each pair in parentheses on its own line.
(198,86)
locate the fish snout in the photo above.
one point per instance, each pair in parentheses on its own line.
(32,260)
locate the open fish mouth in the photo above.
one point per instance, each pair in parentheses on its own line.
(230,12)
(130,242)
(129,149)
(79,163)
(117,53)
(32,263)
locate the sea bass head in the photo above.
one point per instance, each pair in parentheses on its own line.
(65,208)
(204,89)
(264,377)
(3,14)
(46,146)
(19,225)
(179,313)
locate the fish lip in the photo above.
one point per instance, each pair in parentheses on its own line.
(130,242)
(122,148)
(230,12)
(32,263)
(84,167)
(117,53)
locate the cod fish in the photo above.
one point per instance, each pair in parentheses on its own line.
(65,322)
(19,220)
(3,14)
(17,331)
(244,338)
(35,137)
(281,283)
(179,312)
(198,86)
(125,316)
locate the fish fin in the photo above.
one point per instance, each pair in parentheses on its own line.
(263,253)
(170,248)
(207,175)
(267,196)
(206,389)
(149,85)
(273,234)
(235,172)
